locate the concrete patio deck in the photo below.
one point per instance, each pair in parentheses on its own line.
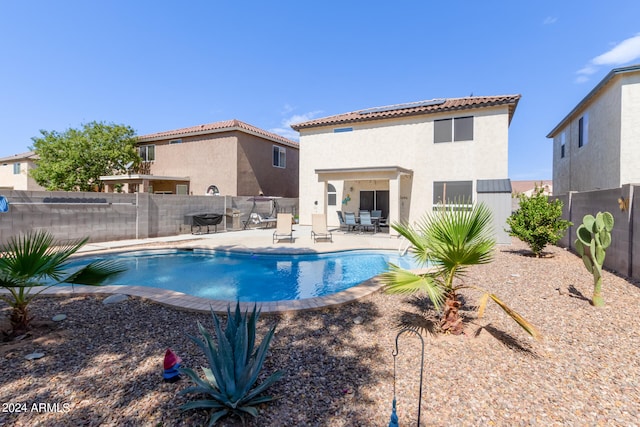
(255,240)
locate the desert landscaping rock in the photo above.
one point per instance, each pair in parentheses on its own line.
(585,371)
(59,317)
(34,356)
(114,299)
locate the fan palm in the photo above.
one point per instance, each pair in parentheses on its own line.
(451,241)
(36,261)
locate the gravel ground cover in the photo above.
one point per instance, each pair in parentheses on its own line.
(103,364)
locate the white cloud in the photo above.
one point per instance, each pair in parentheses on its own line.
(285,126)
(624,52)
(550,20)
(627,51)
(582,79)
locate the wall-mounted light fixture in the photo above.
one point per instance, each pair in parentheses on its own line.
(623,203)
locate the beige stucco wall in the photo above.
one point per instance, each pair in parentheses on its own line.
(406,143)
(21,181)
(256,172)
(630,130)
(611,156)
(236,162)
(205,159)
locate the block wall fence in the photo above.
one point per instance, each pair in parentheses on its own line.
(623,256)
(117,216)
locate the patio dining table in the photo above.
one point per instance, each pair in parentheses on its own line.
(375,220)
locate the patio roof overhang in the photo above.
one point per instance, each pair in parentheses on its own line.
(376,172)
(139,179)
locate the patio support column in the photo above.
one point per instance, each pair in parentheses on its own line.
(394,203)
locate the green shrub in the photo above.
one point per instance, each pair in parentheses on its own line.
(538,222)
(234,366)
(34,262)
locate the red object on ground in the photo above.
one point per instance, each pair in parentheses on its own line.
(170,359)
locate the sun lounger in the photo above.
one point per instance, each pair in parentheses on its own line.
(319,228)
(283,228)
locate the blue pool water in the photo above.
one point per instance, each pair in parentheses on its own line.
(251,277)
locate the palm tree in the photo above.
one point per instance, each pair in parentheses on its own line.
(35,261)
(450,240)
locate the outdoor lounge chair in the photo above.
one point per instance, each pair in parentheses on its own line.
(376,217)
(350,220)
(366,222)
(343,225)
(256,218)
(319,228)
(283,227)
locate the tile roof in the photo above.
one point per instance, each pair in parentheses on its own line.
(522,186)
(22,156)
(413,109)
(224,126)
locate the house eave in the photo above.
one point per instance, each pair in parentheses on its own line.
(152,138)
(592,94)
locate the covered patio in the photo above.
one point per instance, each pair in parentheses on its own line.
(383,188)
(139,183)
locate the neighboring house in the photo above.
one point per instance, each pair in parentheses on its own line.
(405,159)
(528,187)
(597,145)
(14,172)
(234,157)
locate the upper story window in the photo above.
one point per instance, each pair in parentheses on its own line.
(583,130)
(279,157)
(147,153)
(175,141)
(331,195)
(16,168)
(456,129)
(562,144)
(340,130)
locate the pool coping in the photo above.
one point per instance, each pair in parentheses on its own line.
(187,302)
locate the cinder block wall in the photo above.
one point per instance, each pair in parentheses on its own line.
(623,256)
(116,216)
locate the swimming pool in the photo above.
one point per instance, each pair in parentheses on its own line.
(249,277)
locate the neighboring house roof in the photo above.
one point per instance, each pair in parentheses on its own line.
(581,105)
(493,186)
(524,186)
(413,109)
(224,126)
(29,155)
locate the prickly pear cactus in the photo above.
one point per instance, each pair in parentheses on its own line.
(594,237)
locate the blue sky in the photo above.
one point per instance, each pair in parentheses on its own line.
(164,65)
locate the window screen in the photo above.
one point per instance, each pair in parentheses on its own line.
(442,130)
(331,195)
(455,192)
(463,129)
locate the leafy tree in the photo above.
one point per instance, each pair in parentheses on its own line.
(75,159)
(538,222)
(36,261)
(450,241)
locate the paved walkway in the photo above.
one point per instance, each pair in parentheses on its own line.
(247,240)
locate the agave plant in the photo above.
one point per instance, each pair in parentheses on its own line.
(450,241)
(234,365)
(36,261)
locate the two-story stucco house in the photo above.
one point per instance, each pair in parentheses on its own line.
(404,159)
(236,158)
(597,145)
(14,172)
